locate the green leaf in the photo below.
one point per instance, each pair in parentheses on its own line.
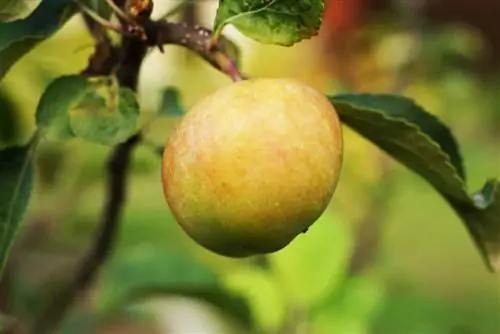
(16,183)
(317,261)
(19,37)
(11,10)
(351,309)
(171,103)
(425,145)
(404,109)
(62,94)
(104,122)
(149,272)
(263,294)
(74,106)
(10,123)
(281,22)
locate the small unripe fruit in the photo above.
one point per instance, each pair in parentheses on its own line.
(253,165)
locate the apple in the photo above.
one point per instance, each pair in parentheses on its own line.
(253,165)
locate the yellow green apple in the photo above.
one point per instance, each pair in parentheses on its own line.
(253,165)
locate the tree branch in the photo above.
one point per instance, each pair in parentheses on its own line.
(126,62)
(118,165)
(132,53)
(223,56)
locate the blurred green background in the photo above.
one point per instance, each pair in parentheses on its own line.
(388,257)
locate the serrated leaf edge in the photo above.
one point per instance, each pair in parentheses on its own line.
(219,26)
(417,130)
(467,199)
(426,112)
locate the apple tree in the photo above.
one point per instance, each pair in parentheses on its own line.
(99,105)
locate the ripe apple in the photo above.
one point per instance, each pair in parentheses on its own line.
(253,165)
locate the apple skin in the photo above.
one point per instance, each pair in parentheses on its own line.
(253,165)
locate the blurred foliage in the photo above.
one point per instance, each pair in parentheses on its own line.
(171,104)
(9,120)
(16,9)
(426,277)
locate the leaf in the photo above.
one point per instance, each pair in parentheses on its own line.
(281,22)
(425,145)
(317,261)
(11,10)
(16,183)
(402,108)
(148,272)
(99,121)
(74,106)
(62,94)
(263,294)
(10,126)
(19,37)
(351,309)
(171,104)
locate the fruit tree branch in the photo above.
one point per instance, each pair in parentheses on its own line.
(223,56)
(125,62)
(117,168)
(131,54)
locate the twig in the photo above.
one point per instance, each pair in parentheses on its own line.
(105,57)
(118,11)
(90,13)
(223,55)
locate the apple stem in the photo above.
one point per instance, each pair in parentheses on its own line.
(228,66)
(198,39)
